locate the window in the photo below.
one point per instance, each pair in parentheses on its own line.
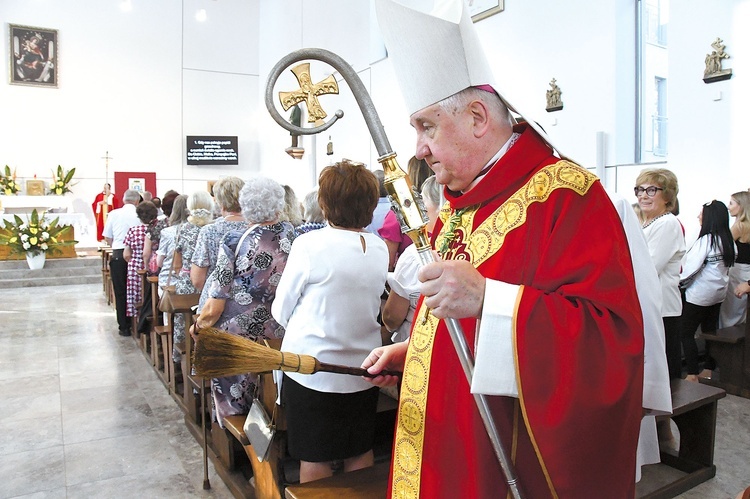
(652,75)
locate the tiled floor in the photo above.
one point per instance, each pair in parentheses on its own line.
(83,414)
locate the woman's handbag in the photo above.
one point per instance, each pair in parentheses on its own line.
(260,429)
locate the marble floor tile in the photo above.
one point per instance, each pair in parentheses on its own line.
(39,385)
(121,456)
(24,435)
(102,397)
(119,374)
(60,493)
(107,423)
(30,406)
(32,471)
(149,484)
(13,369)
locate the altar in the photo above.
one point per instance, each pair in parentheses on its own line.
(26,204)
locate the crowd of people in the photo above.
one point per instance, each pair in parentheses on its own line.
(703,285)
(558,323)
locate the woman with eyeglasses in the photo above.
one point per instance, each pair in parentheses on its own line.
(734,307)
(704,279)
(656,190)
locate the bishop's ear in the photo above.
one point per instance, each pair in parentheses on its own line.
(480,117)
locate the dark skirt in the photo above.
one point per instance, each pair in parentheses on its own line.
(325,426)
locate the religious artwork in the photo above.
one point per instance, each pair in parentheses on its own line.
(33,56)
(713,71)
(137,184)
(35,187)
(554,97)
(482,9)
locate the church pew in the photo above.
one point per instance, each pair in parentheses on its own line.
(368,483)
(694,412)
(730,348)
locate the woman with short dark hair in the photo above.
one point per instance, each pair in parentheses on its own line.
(328,300)
(133,252)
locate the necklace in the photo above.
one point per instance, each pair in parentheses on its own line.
(655,219)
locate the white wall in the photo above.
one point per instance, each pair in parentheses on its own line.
(123,90)
(135,84)
(707,137)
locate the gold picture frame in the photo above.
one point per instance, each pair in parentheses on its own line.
(35,187)
(482,9)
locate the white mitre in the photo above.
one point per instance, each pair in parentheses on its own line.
(436,54)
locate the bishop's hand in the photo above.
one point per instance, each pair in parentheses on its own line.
(452,288)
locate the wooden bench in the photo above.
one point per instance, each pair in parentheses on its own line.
(694,413)
(368,483)
(730,348)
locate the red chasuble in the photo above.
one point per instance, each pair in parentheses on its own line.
(99,214)
(549,226)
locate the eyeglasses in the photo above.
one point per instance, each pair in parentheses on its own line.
(650,191)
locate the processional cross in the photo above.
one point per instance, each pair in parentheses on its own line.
(106,159)
(309,92)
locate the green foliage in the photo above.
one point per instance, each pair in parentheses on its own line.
(36,235)
(61,181)
(8,184)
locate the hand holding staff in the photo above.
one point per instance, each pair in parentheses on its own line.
(218,353)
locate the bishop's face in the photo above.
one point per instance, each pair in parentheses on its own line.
(444,140)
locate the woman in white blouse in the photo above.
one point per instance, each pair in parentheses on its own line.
(328,300)
(656,190)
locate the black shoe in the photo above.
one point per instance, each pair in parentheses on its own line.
(124,332)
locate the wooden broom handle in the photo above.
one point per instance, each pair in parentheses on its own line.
(354,371)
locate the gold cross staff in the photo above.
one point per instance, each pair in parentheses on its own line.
(309,92)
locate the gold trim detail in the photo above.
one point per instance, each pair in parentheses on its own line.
(475,246)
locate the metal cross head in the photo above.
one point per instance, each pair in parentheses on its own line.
(309,92)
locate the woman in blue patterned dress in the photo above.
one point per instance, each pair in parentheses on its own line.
(243,285)
(226,196)
(200,207)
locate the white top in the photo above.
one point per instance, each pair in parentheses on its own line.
(666,245)
(405,283)
(328,300)
(118,223)
(710,283)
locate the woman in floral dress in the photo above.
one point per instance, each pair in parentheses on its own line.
(133,253)
(200,207)
(243,285)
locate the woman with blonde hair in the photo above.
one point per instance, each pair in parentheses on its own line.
(227,197)
(199,207)
(734,308)
(656,190)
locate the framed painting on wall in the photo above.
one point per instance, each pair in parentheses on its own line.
(33,56)
(482,9)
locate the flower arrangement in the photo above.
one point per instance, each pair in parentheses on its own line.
(8,184)
(35,236)
(61,181)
